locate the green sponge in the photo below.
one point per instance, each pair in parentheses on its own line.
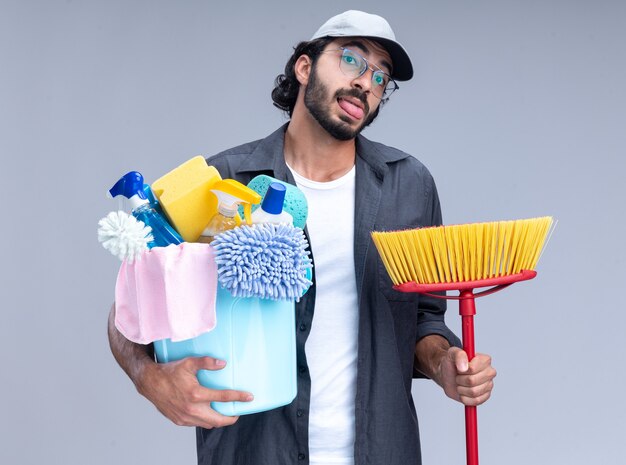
(295,201)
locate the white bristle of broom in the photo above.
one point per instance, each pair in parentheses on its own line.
(123,235)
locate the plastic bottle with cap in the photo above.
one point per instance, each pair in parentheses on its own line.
(230,194)
(131,187)
(271,209)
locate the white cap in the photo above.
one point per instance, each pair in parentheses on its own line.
(354,23)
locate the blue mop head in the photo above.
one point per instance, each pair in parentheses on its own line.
(263,260)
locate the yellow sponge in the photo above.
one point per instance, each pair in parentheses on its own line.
(186,198)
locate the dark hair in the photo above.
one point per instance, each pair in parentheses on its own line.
(287,86)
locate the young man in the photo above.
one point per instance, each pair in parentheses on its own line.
(359,342)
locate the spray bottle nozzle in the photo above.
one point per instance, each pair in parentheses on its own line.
(230,193)
(130,186)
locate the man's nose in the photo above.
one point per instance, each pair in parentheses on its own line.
(364,81)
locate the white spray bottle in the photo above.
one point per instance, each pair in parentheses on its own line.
(271,209)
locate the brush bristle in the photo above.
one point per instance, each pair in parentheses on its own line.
(268,261)
(464,252)
(123,235)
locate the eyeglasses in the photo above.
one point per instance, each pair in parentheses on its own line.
(354,65)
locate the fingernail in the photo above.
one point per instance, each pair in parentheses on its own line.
(249,397)
(464,366)
(220,363)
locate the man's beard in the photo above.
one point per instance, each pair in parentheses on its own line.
(315,100)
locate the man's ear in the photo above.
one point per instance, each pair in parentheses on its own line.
(302,69)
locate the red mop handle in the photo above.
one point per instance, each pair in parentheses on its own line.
(467,310)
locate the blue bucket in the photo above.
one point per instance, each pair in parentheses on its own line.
(256,337)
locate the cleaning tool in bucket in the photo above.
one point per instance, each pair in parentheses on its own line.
(169,294)
(264,260)
(124,235)
(271,209)
(131,187)
(254,335)
(295,202)
(185,196)
(230,194)
(154,203)
(464,258)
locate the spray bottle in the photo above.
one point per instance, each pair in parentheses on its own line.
(154,203)
(131,186)
(229,193)
(271,209)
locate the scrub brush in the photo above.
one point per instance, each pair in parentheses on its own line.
(264,260)
(463,258)
(123,235)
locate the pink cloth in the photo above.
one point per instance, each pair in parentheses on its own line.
(168,293)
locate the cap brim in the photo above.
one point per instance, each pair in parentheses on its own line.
(402,66)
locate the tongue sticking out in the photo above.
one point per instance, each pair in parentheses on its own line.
(350,108)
